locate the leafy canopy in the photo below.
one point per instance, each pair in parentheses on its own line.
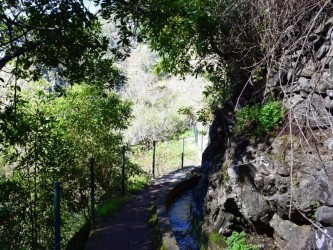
(200,37)
(52,140)
(39,34)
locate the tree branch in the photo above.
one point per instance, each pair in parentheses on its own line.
(20,51)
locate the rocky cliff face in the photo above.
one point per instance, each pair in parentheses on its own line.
(281,185)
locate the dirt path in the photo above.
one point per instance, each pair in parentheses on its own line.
(129,230)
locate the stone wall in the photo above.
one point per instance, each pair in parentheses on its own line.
(304,78)
(281,186)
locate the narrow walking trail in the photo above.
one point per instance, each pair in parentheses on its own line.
(129,229)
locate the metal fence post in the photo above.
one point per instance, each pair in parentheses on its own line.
(92,191)
(123,171)
(201,143)
(196,135)
(183,146)
(57,239)
(154,152)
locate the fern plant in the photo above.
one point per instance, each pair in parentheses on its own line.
(237,241)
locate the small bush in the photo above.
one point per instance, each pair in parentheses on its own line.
(259,119)
(237,241)
(247,119)
(271,115)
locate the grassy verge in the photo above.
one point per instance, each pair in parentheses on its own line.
(111,202)
(155,227)
(110,205)
(138,183)
(168,155)
(218,240)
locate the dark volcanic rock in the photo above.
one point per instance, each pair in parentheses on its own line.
(324,215)
(290,236)
(275,184)
(322,239)
(218,134)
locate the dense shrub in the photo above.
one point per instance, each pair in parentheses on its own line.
(50,139)
(259,119)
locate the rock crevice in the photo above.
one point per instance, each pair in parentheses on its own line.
(280,186)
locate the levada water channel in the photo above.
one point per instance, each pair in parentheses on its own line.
(185,214)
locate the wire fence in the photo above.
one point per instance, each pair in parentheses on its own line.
(163,158)
(168,156)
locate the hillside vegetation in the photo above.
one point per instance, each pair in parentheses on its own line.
(164,106)
(267,97)
(52,123)
(269,103)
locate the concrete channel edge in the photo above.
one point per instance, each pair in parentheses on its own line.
(168,240)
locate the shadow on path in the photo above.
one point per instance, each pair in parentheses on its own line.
(129,229)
